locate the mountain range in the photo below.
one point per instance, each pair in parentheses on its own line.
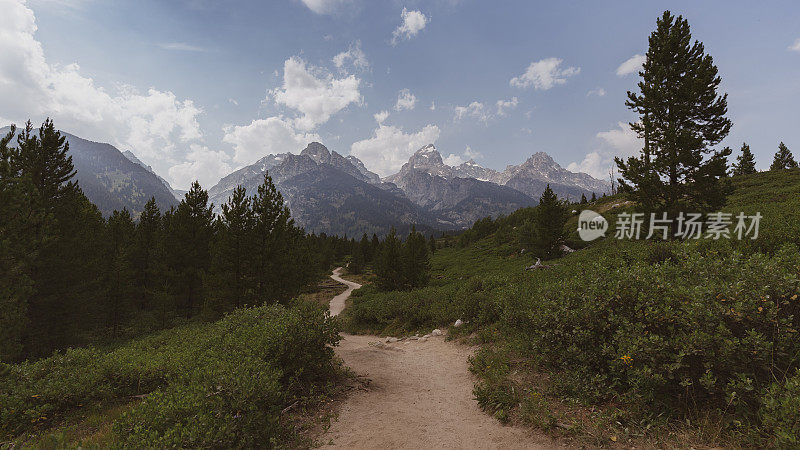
(335,194)
(331,193)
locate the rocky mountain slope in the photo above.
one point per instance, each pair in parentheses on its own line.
(530,177)
(177,193)
(327,192)
(111,180)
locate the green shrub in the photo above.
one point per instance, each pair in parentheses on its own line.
(221,384)
(781,412)
(495,393)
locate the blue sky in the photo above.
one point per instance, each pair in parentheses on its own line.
(197,88)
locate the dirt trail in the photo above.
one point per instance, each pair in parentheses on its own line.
(419,395)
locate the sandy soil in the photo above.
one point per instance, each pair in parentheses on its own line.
(416,395)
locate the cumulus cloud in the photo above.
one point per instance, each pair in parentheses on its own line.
(405,100)
(620,141)
(796,46)
(454,160)
(599,92)
(631,65)
(201,164)
(355,55)
(265,136)
(504,105)
(476,110)
(155,125)
(325,6)
(390,147)
(544,74)
(314,93)
(413,23)
(381,117)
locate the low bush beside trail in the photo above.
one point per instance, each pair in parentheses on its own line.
(221,384)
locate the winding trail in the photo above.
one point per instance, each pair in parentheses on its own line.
(418,395)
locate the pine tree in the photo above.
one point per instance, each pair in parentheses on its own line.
(783,159)
(190,234)
(119,274)
(230,280)
(388,264)
(745,163)
(680,118)
(66,253)
(583,199)
(272,227)
(544,234)
(432,242)
(594,197)
(44,159)
(374,248)
(415,260)
(16,287)
(147,255)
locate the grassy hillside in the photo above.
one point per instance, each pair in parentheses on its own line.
(225,384)
(627,339)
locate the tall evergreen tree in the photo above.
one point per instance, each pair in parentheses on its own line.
(388,264)
(147,255)
(230,277)
(783,159)
(190,234)
(594,197)
(415,260)
(544,233)
(374,248)
(681,117)
(16,286)
(432,243)
(44,159)
(583,199)
(119,273)
(746,162)
(272,228)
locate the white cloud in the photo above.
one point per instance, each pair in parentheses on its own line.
(796,46)
(389,147)
(544,74)
(599,92)
(632,65)
(233,101)
(620,141)
(325,6)
(263,137)
(381,117)
(204,165)
(413,23)
(433,106)
(476,110)
(405,100)
(455,160)
(181,47)
(155,125)
(504,105)
(353,54)
(314,93)
(481,112)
